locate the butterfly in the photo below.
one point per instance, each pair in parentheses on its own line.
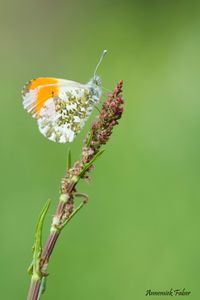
(61,107)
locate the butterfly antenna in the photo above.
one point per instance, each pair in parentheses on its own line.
(100,60)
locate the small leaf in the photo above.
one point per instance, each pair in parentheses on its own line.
(38,241)
(72,214)
(90,135)
(30,269)
(43,286)
(86,166)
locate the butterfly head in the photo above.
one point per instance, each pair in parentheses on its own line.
(96,80)
(94,86)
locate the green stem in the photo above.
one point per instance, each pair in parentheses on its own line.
(34,289)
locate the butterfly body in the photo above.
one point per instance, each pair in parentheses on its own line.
(61,106)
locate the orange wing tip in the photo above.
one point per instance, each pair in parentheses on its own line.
(36,92)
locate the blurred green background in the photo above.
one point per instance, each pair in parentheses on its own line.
(140,229)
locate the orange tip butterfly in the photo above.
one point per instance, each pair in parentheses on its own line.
(61,107)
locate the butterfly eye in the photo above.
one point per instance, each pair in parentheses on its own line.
(97,80)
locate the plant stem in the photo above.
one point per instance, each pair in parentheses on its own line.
(48,249)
